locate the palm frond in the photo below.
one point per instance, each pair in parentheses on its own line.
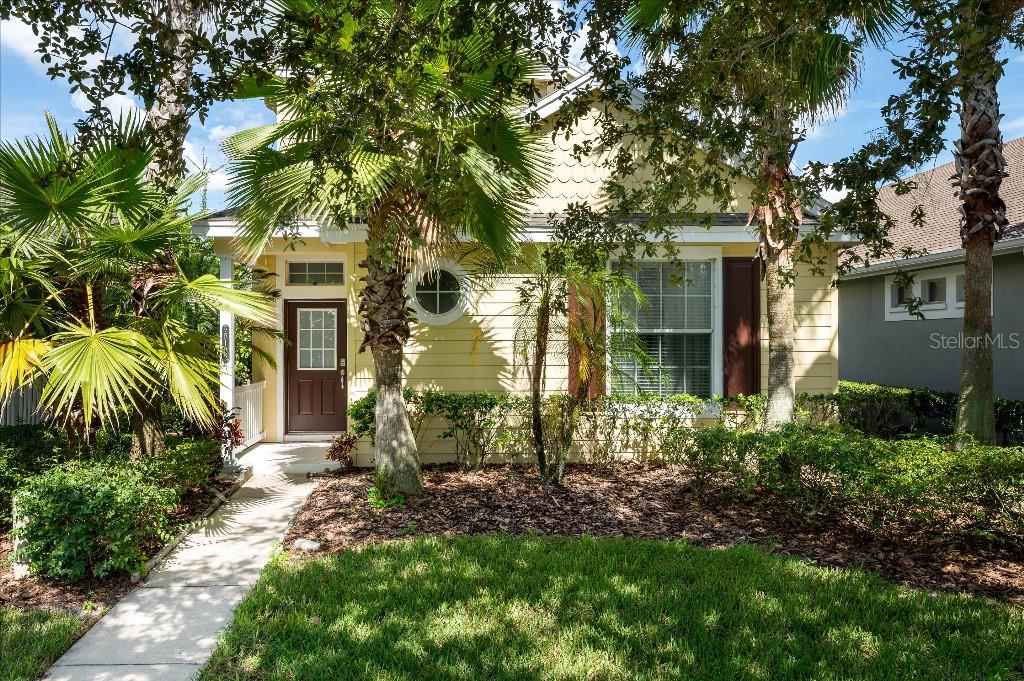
(103,370)
(20,363)
(215,294)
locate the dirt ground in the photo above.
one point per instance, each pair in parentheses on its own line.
(647,501)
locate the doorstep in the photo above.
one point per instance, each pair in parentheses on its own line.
(312,436)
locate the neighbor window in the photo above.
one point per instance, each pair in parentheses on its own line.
(933,290)
(314,273)
(961,286)
(899,295)
(438,292)
(674,327)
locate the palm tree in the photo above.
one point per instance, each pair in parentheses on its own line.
(432,148)
(766,74)
(92,293)
(570,305)
(980,169)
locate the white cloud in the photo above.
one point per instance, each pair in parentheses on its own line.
(576,51)
(220,132)
(217,181)
(120,106)
(17,37)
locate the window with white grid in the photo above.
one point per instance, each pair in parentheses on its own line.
(674,327)
(318,344)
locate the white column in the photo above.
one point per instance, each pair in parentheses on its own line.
(227,340)
(227,354)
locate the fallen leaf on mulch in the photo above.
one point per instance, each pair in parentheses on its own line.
(644,501)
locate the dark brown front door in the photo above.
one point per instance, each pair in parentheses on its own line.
(741,326)
(315,358)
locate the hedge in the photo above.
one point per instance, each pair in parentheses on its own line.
(887,411)
(90,520)
(923,483)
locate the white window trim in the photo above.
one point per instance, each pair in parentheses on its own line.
(949,309)
(337,337)
(425,316)
(699,253)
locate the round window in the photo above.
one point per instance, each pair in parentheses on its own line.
(438,292)
(439,295)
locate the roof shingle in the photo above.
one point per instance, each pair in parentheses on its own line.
(941,229)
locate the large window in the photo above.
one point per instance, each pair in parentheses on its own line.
(675,329)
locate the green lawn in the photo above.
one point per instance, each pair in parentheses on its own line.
(502,607)
(30,640)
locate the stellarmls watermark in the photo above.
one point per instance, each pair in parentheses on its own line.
(999,341)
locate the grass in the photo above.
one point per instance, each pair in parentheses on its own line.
(506,607)
(31,640)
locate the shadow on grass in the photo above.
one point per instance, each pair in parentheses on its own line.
(503,607)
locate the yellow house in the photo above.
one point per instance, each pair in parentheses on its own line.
(705,334)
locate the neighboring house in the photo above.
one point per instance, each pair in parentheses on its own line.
(705,335)
(883,343)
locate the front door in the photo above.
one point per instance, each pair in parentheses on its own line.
(315,357)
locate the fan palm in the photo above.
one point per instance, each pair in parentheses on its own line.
(429,152)
(89,310)
(770,70)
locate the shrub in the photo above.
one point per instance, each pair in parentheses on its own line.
(919,484)
(481,423)
(94,520)
(26,450)
(889,412)
(363,414)
(341,449)
(185,464)
(704,453)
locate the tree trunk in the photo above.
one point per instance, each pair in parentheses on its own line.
(384,319)
(169,116)
(148,432)
(980,169)
(780,309)
(169,122)
(540,353)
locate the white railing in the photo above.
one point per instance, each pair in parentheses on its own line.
(249,408)
(22,407)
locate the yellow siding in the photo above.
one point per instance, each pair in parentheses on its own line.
(816,344)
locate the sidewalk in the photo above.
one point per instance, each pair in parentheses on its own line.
(166,629)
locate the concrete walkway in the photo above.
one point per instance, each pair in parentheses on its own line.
(166,629)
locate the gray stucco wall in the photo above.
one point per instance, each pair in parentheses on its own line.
(905,353)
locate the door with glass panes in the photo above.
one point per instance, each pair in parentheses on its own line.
(315,359)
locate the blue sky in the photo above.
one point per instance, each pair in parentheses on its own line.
(26,92)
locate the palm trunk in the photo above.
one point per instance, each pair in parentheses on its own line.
(981,167)
(384,318)
(169,122)
(148,431)
(779,223)
(780,296)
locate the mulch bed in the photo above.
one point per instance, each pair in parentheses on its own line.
(92,597)
(644,501)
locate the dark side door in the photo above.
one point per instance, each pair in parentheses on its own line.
(315,366)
